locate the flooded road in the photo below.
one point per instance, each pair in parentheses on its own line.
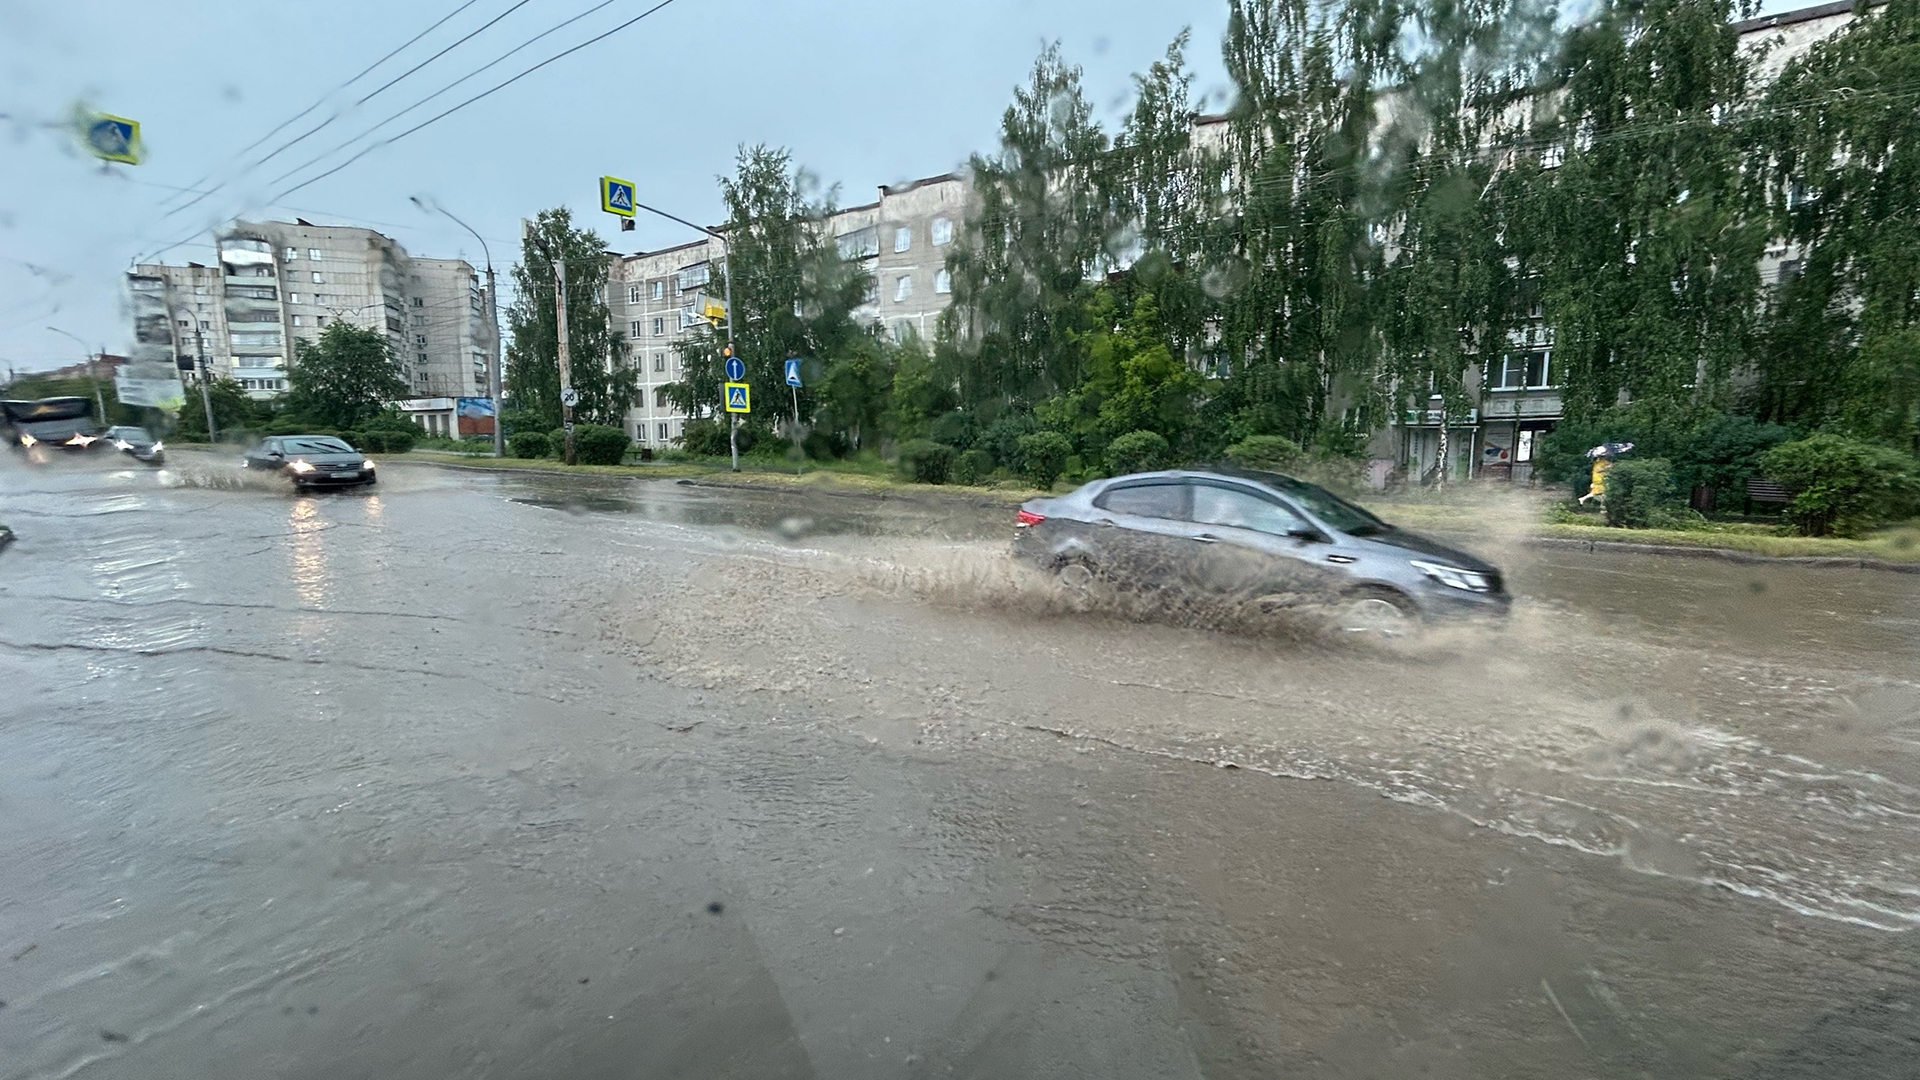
(511,775)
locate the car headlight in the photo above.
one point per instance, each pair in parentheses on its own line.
(367,464)
(159,446)
(300,466)
(122,444)
(1453,577)
(27,440)
(80,440)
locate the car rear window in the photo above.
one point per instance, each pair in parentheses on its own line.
(1143,500)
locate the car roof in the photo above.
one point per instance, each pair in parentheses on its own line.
(1274,480)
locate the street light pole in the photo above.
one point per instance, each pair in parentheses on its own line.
(93,375)
(493,324)
(726,267)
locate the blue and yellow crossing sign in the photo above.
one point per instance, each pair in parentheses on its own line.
(113,138)
(616,196)
(738,399)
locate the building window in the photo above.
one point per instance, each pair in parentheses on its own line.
(299,320)
(1523,371)
(314,254)
(317,279)
(660,398)
(633,294)
(902,330)
(870,294)
(902,287)
(663,432)
(695,276)
(319,320)
(859,244)
(292,253)
(659,290)
(659,361)
(633,329)
(419,339)
(418,302)
(293,298)
(903,238)
(420,358)
(659,327)
(942,232)
(942,281)
(419,320)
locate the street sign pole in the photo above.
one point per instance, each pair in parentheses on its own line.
(733,430)
(566,363)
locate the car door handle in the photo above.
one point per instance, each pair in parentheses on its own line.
(1104,521)
(1342,558)
(1204,538)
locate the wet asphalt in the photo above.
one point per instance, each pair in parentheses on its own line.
(506,775)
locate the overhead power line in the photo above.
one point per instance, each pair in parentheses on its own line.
(323,155)
(483,94)
(436,118)
(296,140)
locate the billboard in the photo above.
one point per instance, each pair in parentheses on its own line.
(473,415)
(144,382)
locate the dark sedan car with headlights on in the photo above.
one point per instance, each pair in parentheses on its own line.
(1255,537)
(136,443)
(311,461)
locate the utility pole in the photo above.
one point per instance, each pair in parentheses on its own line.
(206,395)
(726,267)
(566,363)
(93,374)
(493,325)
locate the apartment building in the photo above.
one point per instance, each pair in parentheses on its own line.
(279,282)
(901,239)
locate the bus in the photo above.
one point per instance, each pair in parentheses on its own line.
(64,422)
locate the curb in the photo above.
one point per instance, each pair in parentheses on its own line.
(1833,562)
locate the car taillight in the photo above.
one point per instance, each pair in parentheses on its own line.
(1027,518)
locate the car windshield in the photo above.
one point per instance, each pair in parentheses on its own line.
(1327,506)
(836,605)
(318,444)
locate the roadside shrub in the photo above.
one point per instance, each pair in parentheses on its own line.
(1043,457)
(395,440)
(598,444)
(529,444)
(1843,486)
(1002,437)
(972,467)
(1137,451)
(705,437)
(926,462)
(955,429)
(373,441)
(557,439)
(825,445)
(1264,452)
(1638,490)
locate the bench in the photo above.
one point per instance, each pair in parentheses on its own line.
(1766,491)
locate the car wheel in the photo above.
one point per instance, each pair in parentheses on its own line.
(1081,583)
(1378,613)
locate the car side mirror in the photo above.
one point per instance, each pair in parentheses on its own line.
(275,454)
(1306,535)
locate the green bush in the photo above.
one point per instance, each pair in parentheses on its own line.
(955,429)
(925,461)
(373,441)
(1043,457)
(1137,451)
(1264,452)
(709,438)
(972,467)
(825,445)
(396,440)
(1639,489)
(1843,486)
(529,444)
(1002,437)
(598,444)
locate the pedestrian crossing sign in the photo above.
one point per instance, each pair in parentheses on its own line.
(737,398)
(616,196)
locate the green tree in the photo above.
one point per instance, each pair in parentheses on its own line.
(1016,329)
(793,295)
(349,375)
(597,354)
(1843,486)
(233,410)
(1837,165)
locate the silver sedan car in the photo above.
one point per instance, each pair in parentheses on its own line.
(1255,537)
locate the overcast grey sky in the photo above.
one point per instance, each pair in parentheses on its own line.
(865,92)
